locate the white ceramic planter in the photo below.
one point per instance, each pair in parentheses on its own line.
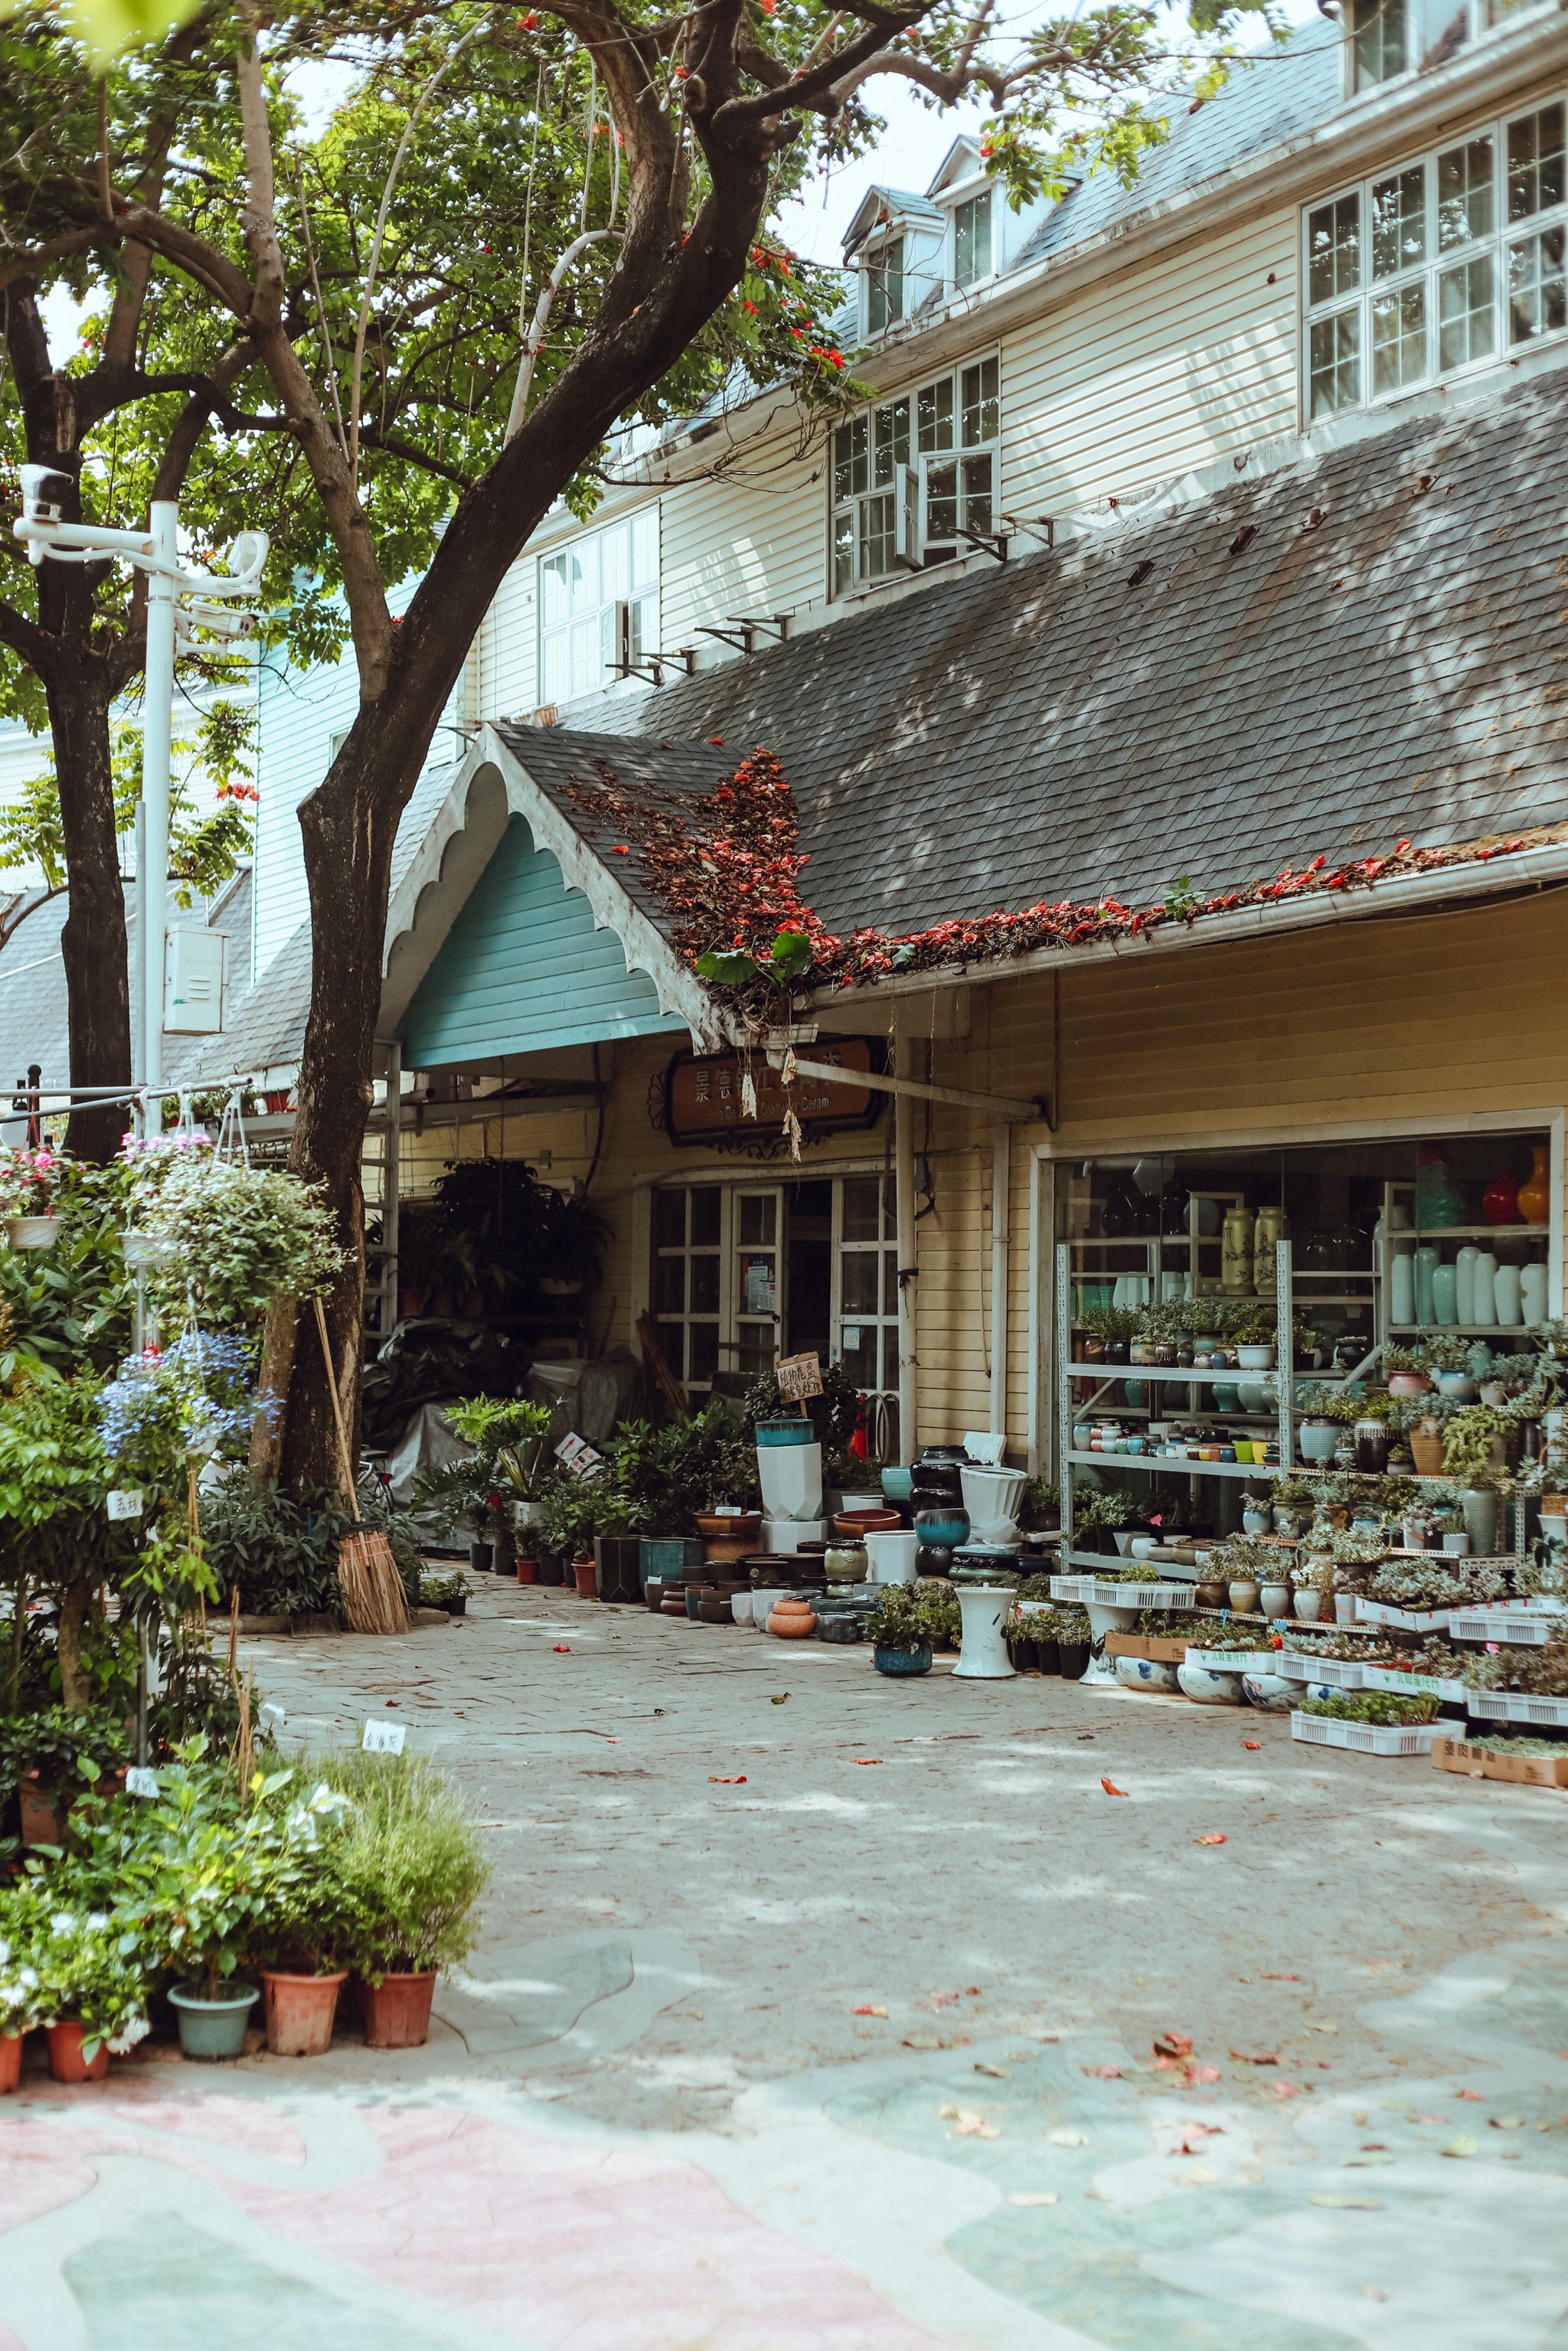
(984,1609)
(791,1480)
(991,1497)
(1206,1688)
(891,1556)
(1308,1603)
(1145,1674)
(1256,1359)
(740,1607)
(762,1604)
(1274,1599)
(1103,1620)
(33,1232)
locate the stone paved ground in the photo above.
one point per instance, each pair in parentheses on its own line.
(650,2118)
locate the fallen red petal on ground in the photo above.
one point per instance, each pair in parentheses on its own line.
(1111,1788)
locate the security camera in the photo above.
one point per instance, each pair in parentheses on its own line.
(43,492)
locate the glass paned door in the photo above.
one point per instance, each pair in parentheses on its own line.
(865,1298)
(759,1279)
(688,1266)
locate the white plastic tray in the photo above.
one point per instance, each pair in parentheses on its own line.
(1083,1588)
(1366,1738)
(1517,1706)
(1511,1625)
(1409,1620)
(1444,1686)
(1337,1673)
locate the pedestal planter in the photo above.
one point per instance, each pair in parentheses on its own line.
(10,2062)
(301,2012)
(66,2063)
(1102,1620)
(213,2030)
(902,1661)
(397,2012)
(620,1568)
(984,1608)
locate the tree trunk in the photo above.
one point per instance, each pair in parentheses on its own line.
(76,1689)
(93,941)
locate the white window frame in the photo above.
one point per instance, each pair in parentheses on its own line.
(1427,22)
(1370,304)
(983,192)
(873,262)
(872,458)
(616,618)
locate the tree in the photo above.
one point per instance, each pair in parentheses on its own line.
(704,119)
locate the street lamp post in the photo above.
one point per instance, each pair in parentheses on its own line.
(154,551)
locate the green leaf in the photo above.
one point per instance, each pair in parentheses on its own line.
(727,970)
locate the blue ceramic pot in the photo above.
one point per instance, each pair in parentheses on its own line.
(902,1661)
(896,1484)
(785,1432)
(942,1527)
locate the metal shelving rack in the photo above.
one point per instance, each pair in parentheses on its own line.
(1281,1421)
(1418,1236)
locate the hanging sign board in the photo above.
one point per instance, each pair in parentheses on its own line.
(800,1376)
(575,1453)
(706,1097)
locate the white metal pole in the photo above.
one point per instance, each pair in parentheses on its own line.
(138,961)
(1001,1235)
(157,727)
(904,1206)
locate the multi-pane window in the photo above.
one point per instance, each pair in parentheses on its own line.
(972,239)
(912,476)
(599,607)
(885,286)
(1447,262)
(1379,41)
(688,1268)
(866,1308)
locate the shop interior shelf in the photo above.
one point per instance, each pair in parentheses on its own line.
(1230,1375)
(1173,1465)
(1465,1330)
(1468,1232)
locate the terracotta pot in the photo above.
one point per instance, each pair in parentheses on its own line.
(857,1524)
(528,1570)
(587,1575)
(1426,1450)
(397,2012)
(301,2010)
(792,1620)
(728,1538)
(441,1304)
(10,2062)
(410,1304)
(66,2061)
(41,1823)
(674,1604)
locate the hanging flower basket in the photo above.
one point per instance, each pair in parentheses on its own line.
(33,1232)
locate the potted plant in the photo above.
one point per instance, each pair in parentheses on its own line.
(28,1184)
(311,1918)
(1449,1362)
(1311,1581)
(21,2003)
(1109,1331)
(1097,1512)
(92,1984)
(58,1755)
(409,1872)
(236,1238)
(1407,1370)
(1075,1637)
(448,1592)
(1253,1327)
(899,1628)
(568,1515)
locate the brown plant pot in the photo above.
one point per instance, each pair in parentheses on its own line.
(397,2012)
(728,1538)
(301,2010)
(41,1823)
(528,1570)
(10,2062)
(66,2061)
(792,1620)
(1428,1452)
(441,1304)
(410,1304)
(587,1575)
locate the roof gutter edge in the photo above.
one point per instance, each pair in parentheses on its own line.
(1408,893)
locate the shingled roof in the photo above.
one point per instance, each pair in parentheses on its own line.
(1218,691)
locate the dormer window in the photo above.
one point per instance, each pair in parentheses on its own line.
(972,239)
(885,286)
(1379,41)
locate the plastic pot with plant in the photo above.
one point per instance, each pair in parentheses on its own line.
(900,1630)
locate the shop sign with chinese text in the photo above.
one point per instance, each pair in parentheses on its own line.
(717,1096)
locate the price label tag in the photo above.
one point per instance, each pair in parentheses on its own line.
(384,1737)
(271,1717)
(140,1782)
(575,1453)
(124,1502)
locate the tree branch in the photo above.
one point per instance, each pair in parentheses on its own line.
(819,82)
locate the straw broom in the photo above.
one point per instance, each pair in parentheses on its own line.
(372,1589)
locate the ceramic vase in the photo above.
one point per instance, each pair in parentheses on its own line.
(1274,1600)
(1206,1688)
(1402,1283)
(1534,1197)
(1308,1603)
(1317,1439)
(1500,1201)
(1480,1514)
(1236,1253)
(1532,1293)
(1507,1289)
(1465,1283)
(1438,1199)
(1426,1267)
(1485,1299)
(1267,1233)
(1243,1596)
(1445,1293)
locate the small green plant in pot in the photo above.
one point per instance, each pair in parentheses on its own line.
(91,1972)
(899,1628)
(410,1873)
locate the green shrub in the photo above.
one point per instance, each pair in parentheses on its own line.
(407,1861)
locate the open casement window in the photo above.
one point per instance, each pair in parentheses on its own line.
(972,239)
(911,477)
(1452,261)
(759,1279)
(599,607)
(885,286)
(865,1293)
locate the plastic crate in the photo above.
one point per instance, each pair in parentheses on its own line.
(1511,1625)
(1108,1595)
(1517,1705)
(1366,1738)
(1443,1686)
(1409,1620)
(1338,1673)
